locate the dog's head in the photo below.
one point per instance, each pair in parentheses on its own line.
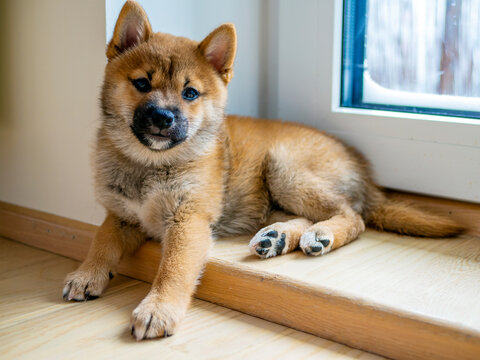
(164,96)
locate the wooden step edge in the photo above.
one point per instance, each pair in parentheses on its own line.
(353,322)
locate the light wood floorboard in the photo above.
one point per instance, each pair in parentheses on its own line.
(36,324)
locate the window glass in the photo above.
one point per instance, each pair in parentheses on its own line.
(412,55)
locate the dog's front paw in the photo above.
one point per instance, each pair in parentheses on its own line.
(155,318)
(316,243)
(268,242)
(85,284)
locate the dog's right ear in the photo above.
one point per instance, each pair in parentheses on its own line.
(132,28)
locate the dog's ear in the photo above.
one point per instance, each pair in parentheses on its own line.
(219,48)
(132,28)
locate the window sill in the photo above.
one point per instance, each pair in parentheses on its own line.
(406,115)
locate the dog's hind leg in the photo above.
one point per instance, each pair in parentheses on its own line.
(315,189)
(281,236)
(324,236)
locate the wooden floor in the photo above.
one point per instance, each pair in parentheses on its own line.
(35,322)
(396,296)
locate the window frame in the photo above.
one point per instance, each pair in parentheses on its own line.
(429,154)
(353,71)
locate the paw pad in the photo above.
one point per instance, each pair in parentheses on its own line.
(268,244)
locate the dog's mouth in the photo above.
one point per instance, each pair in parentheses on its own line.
(157,137)
(163,140)
(149,138)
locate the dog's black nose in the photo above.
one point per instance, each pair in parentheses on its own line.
(162,118)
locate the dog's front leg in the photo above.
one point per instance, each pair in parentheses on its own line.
(184,252)
(113,239)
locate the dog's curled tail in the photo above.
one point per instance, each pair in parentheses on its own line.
(404,218)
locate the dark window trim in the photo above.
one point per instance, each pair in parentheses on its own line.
(353,54)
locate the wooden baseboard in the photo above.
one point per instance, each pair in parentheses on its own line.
(354,322)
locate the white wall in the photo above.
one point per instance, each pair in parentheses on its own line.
(52,63)
(51,68)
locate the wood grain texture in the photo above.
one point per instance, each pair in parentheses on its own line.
(396,296)
(37,324)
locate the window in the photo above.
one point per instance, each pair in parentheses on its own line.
(419,56)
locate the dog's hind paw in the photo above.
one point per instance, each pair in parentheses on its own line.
(316,243)
(268,242)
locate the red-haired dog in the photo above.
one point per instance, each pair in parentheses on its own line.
(170,165)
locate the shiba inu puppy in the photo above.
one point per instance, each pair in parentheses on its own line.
(171,166)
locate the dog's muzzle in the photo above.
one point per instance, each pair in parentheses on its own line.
(152,124)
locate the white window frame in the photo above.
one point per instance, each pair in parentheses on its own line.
(436,155)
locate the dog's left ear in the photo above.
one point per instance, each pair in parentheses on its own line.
(219,48)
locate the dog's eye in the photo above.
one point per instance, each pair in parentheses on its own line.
(190,93)
(142,84)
